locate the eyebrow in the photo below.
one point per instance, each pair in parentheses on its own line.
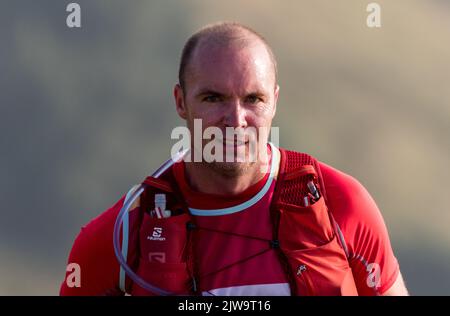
(208,92)
(256,94)
(213,92)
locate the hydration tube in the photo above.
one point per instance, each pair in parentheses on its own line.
(129,200)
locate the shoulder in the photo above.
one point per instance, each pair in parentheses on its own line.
(340,182)
(96,236)
(346,194)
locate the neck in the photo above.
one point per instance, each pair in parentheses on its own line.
(203,178)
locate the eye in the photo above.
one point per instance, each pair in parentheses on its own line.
(253,99)
(211,98)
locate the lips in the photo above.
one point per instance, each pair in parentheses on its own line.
(232,142)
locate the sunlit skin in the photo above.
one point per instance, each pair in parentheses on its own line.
(228,86)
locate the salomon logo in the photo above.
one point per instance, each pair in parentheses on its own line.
(157,232)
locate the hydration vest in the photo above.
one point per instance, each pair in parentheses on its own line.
(307,239)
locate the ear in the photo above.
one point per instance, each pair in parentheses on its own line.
(180,101)
(275,100)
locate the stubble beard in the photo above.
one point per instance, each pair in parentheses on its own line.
(231,169)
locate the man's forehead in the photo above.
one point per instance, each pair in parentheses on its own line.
(230,53)
(229,81)
(221,68)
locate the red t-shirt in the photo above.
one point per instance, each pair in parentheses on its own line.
(241,263)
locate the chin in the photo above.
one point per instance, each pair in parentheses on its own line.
(231,169)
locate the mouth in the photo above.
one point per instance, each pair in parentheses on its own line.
(233,142)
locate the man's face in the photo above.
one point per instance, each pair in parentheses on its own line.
(229,87)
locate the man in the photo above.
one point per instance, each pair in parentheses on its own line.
(228,79)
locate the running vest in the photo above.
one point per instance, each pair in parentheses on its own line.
(308,240)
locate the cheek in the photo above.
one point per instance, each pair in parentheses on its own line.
(261,116)
(210,115)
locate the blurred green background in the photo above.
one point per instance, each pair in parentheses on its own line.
(86,113)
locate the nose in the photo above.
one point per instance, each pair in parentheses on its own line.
(235,114)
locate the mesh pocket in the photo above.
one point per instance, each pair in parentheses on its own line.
(304,227)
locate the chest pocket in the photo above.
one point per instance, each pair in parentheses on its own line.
(316,262)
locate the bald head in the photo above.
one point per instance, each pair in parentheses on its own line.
(220,36)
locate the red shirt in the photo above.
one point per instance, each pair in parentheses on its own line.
(242,263)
